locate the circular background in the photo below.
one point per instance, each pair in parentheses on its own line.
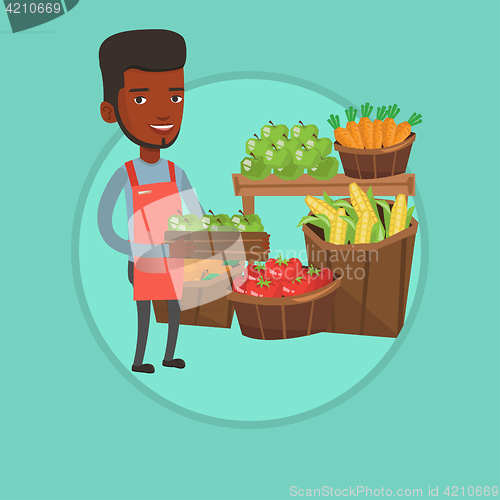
(230,380)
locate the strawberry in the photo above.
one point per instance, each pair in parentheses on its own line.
(255,271)
(298,286)
(264,288)
(240,285)
(283,270)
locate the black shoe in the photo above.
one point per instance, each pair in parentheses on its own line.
(175,363)
(145,368)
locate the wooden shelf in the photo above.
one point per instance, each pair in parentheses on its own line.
(307,185)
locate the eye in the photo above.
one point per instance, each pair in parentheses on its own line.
(176,99)
(139,100)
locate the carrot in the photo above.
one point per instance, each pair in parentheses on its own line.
(341,134)
(366,126)
(403,130)
(377,127)
(352,127)
(389,126)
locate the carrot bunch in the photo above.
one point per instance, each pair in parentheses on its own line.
(382,132)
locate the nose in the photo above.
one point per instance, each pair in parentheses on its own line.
(163,118)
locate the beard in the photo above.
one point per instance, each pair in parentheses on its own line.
(143,144)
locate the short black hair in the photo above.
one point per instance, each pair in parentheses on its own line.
(147,50)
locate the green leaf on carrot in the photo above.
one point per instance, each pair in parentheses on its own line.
(409,216)
(387,213)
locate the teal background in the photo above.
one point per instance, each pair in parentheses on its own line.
(269,380)
(73,427)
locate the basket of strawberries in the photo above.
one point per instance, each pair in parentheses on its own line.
(282,299)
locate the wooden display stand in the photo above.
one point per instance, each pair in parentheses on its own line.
(307,185)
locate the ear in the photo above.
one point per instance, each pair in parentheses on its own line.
(108,112)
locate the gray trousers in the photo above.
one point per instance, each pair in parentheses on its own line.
(143,316)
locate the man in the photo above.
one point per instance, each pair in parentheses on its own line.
(143,80)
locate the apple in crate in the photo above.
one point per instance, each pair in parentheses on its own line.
(306,158)
(258,146)
(277,158)
(289,173)
(236,218)
(245,226)
(273,132)
(304,132)
(174,220)
(325,169)
(218,221)
(323,145)
(254,168)
(290,144)
(190,222)
(222,223)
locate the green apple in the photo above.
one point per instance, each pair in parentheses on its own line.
(245,226)
(221,226)
(273,132)
(324,145)
(306,158)
(254,168)
(190,222)
(277,157)
(290,172)
(208,219)
(217,222)
(258,146)
(236,218)
(304,132)
(173,222)
(211,219)
(325,170)
(290,144)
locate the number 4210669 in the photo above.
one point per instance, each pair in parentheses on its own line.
(33,8)
(471,491)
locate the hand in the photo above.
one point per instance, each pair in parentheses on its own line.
(181,248)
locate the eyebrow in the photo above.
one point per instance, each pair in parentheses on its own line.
(174,89)
(139,90)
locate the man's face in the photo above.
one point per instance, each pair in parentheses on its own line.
(150,107)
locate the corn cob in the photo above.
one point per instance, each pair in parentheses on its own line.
(398,215)
(318,206)
(360,202)
(364,228)
(339,228)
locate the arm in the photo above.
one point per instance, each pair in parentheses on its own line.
(105,221)
(188,195)
(105,213)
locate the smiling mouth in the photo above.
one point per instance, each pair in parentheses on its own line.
(162,129)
